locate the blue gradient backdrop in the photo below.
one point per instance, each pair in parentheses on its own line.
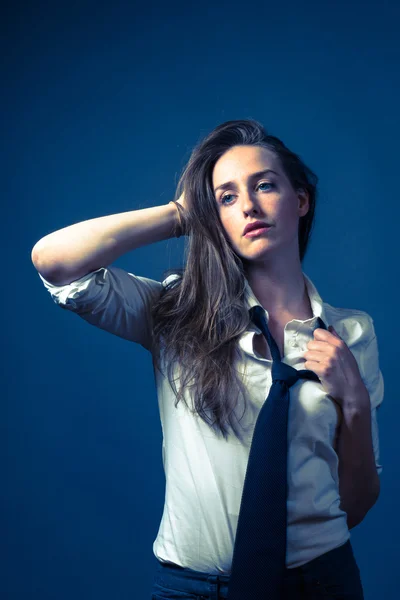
(102,104)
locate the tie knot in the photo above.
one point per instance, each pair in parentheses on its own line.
(283,372)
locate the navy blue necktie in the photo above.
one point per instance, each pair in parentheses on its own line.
(259,554)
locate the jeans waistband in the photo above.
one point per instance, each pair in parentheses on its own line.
(175,577)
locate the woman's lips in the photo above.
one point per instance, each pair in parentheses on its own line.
(258,231)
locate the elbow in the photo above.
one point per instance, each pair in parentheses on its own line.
(356,512)
(38,255)
(49,269)
(375,490)
(35,256)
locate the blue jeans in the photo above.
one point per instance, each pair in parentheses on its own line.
(334,575)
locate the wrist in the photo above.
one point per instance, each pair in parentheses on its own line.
(356,401)
(179,226)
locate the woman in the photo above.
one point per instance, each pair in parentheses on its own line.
(196,325)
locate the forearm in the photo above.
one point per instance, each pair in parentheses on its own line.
(71,252)
(358,478)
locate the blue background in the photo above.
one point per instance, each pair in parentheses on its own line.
(102,104)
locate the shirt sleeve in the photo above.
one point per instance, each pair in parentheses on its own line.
(111,299)
(373,380)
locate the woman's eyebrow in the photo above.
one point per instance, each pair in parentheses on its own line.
(228,184)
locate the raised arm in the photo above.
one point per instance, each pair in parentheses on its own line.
(70,253)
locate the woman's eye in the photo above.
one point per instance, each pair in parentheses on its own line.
(224,197)
(228,195)
(266,183)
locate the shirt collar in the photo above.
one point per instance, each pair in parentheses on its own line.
(317,304)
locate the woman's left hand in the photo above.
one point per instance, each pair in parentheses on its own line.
(334,363)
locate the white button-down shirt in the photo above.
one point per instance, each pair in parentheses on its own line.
(204,473)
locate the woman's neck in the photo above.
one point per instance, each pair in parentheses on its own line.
(282,294)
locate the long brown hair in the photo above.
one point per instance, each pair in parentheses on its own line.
(202,312)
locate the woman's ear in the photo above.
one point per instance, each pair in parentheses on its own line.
(304,204)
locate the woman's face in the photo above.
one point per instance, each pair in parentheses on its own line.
(267,197)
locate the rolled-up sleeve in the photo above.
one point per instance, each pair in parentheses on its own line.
(111,299)
(373,380)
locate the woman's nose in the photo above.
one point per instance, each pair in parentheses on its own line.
(249,200)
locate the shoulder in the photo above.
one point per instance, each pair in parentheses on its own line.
(355,327)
